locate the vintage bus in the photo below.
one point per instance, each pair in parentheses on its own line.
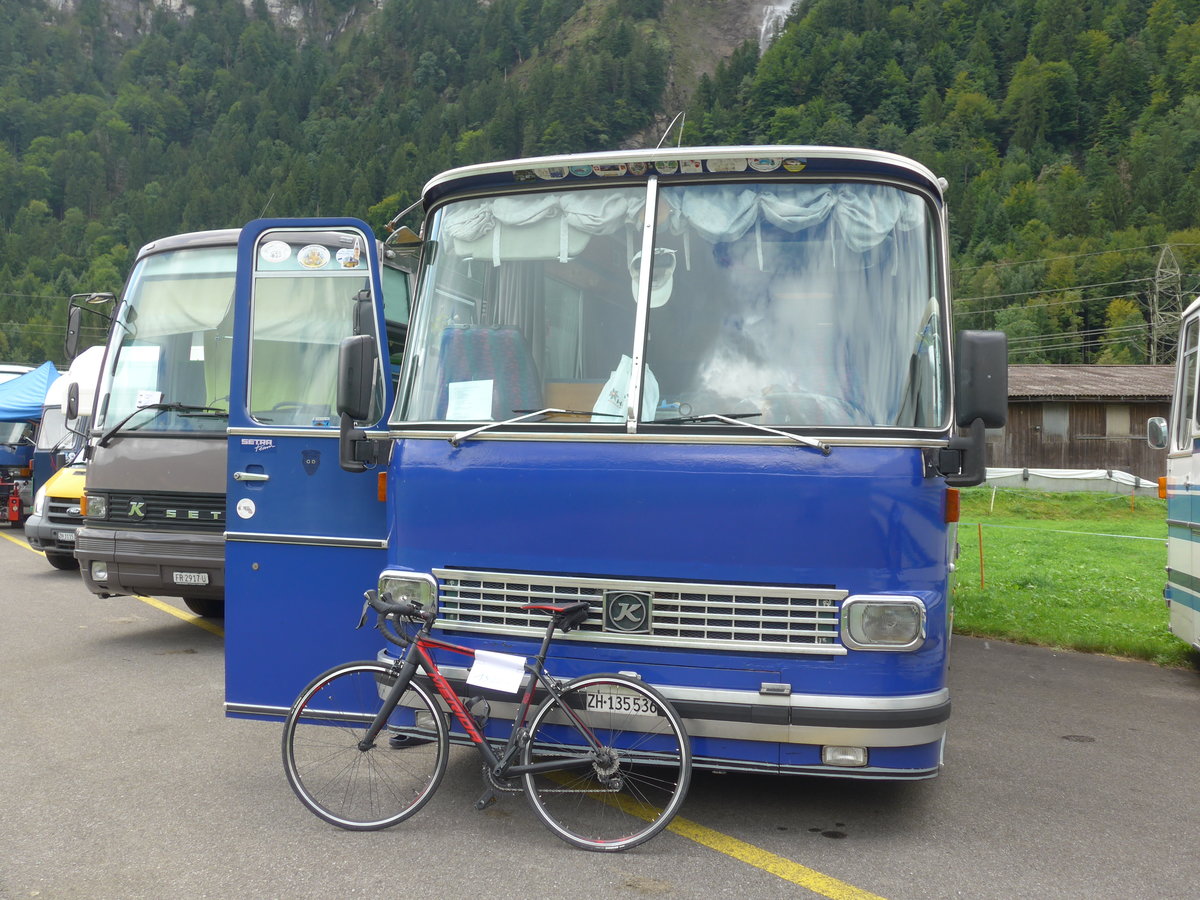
(715,392)
(1181,439)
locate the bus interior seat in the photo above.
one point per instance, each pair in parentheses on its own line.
(474,353)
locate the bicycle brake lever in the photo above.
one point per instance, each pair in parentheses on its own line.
(362,619)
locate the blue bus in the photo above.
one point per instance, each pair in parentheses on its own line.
(712,391)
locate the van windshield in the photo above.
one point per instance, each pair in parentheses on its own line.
(172,344)
(783,304)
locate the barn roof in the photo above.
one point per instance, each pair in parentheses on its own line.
(1049,382)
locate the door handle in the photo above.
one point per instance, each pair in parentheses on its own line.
(250,476)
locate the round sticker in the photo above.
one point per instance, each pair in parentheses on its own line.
(245,508)
(275,251)
(349,258)
(314,256)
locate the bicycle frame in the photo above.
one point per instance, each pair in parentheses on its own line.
(418,658)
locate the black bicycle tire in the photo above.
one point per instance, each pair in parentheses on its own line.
(635,783)
(339,760)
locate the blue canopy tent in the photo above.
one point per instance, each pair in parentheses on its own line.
(21,399)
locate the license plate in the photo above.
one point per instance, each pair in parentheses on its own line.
(615,701)
(191,577)
(67,537)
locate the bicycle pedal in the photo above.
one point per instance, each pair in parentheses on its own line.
(488,798)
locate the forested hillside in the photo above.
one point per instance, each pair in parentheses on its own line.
(1069,131)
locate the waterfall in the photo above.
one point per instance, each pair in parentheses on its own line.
(773,17)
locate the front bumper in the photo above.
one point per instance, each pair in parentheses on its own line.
(170,564)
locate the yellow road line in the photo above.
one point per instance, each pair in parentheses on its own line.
(779,866)
(817,882)
(152,601)
(20,543)
(180,614)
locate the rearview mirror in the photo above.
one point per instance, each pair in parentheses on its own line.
(356,376)
(1156,432)
(71,341)
(981,378)
(72,407)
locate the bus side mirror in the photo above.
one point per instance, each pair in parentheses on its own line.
(71,341)
(981,402)
(71,410)
(355,391)
(1156,432)
(981,378)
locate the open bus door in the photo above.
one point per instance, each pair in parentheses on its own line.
(304,536)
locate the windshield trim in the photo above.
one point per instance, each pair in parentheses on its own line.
(634,426)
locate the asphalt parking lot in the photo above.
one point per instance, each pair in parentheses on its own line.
(1066,776)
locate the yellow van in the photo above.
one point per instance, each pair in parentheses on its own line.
(57,515)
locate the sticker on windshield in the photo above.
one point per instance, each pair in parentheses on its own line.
(349,258)
(275,251)
(314,256)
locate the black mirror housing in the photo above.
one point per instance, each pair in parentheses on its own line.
(356,377)
(71,410)
(981,378)
(71,341)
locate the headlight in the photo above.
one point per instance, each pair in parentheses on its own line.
(39,501)
(883,623)
(415,587)
(95,506)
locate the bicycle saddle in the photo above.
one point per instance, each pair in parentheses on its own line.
(566,615)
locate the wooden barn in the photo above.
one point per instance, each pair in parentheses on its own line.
(1083,417)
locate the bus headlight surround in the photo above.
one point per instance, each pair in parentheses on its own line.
(883,622)
(415,587)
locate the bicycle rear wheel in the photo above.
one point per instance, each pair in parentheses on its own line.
(363,790)
(629,791)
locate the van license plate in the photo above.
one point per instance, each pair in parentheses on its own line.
(67,537)
(191,578)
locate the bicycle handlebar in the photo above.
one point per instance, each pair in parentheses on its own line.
(405,609)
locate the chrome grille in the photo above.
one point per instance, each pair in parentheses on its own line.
(714,617)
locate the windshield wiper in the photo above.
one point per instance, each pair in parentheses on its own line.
(159,409)
(526,414)
(736,419)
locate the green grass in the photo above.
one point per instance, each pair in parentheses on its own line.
(1068,570)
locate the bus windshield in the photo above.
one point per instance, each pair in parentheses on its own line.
(783,304)
(172,336)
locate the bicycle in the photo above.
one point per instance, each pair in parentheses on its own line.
(604,760)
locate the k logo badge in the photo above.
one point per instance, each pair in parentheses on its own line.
(311,460)
(627,611)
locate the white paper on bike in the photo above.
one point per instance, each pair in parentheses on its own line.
(497,671)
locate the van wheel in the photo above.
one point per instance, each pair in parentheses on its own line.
(62,561)
(207,607)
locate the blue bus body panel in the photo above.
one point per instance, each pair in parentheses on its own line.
(864,520)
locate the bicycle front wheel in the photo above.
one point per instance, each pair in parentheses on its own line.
(358,789)
(624,793)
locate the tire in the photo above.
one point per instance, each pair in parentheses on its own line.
(64,561)
(205,606)
(363,790)
(647,779)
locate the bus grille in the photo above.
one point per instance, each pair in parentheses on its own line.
(710,616)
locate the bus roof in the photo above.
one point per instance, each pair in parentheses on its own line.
(681,163)
(224,237)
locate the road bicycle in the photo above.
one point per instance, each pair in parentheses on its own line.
(604,760)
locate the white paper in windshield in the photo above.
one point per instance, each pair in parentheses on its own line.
(469,400)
